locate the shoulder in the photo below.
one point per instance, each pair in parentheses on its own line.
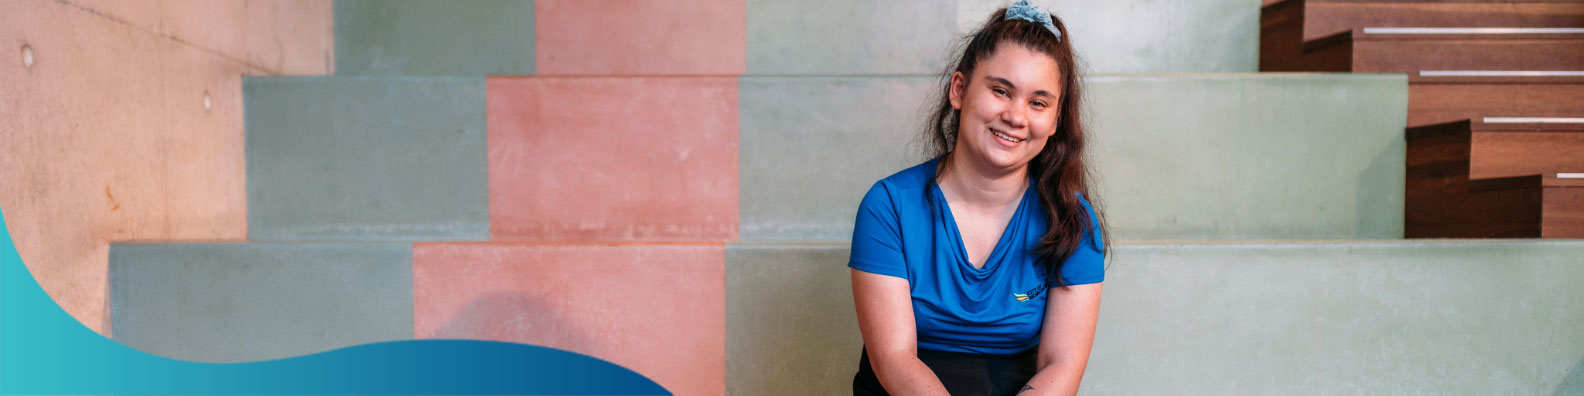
(905,188)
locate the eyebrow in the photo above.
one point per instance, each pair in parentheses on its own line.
(1009,84)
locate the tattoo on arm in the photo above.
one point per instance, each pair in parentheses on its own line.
(1026,388)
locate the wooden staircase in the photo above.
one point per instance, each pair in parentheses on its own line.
(1495,179)
(1496,102)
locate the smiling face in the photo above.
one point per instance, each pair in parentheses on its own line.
(1009,108)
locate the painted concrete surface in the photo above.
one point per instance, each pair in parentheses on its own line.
(657,309)
(1387,317)
(290,37)
(1288,156)
(811,147)
(639,37)
(419,37)
(613,158)
(791,328)
(106,137)
(255,301)
(366,158)
(1148,36)
(1175,156)
(1496,317)
(848,37)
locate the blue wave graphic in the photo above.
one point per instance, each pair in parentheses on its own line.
(43,350)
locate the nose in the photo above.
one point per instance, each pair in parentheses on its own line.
(1015,116)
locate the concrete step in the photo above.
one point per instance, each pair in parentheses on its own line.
(834,37)
(1176,156)
(1441,96)
(613,158)
(418,37)
(560,37)
(1252,317)
(231,302)
(1205,36)
(761,37)
(657,309)
(366,158)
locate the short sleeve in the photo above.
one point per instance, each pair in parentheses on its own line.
(877,235)
(1087,264)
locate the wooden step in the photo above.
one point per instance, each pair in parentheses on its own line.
(1325,18)
(1281,37)
(1520,147)
(1442,201)
(1409,50)
(1436,97)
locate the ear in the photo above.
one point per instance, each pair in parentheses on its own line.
(959,84)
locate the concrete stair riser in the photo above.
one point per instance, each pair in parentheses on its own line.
(1175,156)
(367,158)
(1219,318)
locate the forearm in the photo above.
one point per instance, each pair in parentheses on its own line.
(907,375)
(1055,379)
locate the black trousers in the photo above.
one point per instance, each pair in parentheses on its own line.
(961,373)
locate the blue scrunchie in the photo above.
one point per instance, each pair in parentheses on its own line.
(1032,13)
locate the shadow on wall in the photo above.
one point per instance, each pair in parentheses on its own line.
(516,317)
(1573,384)
(1376,186)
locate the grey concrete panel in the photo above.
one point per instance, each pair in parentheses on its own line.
(421,37)
(1149,36)
(1444,317)
(254,301)
(811,147)
(848,37)
(1343,317)
(790,324)
(1290,156)
(366,158)
(1175,156)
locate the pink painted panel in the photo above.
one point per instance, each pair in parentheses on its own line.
(658,309)
(640,37)
(611,158)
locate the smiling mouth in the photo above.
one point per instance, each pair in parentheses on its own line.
(1006,137)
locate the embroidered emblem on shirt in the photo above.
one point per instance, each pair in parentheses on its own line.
(1032,293)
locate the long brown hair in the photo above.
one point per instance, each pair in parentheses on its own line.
(1059,170)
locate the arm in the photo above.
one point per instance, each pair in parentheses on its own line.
(885,317)
(1065,339)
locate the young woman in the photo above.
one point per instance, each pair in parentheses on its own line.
(978,272)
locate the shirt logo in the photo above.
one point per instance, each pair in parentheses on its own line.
(1032,293)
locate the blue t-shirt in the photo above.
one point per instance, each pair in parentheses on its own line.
(905,229)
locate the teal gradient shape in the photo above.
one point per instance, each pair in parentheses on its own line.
(44,351)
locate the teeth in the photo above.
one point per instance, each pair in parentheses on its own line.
(1004,136)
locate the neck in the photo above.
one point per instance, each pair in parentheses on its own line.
(980,186)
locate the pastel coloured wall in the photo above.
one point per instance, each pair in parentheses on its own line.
(669,186)
(123,121)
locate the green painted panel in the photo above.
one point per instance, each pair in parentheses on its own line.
(422,37)
(1149,36)
(848,37)
(366,158)
(254,301)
